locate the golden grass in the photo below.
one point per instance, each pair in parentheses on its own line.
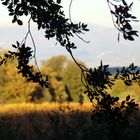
(55,121)
(24,108)
(46,121)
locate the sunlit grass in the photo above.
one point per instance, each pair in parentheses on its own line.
(46,121)
(23,108)
(121,90)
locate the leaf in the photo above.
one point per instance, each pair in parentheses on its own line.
(58,1)
(4,3)
(85,29)
(123,1)
(106,66)
(123,104)
(14,19)
(11,14)
(131,4)
(132,100)
(19,22)
(128,98)
(130,38)
(133,32)
(18,44)
(101,63)
(116,99)
(124,36)
(128,26)
(85,92)
(84,25)
(112,12)
(14,46)
(137,72)
(133,17)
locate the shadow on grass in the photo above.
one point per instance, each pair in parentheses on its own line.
(58,125)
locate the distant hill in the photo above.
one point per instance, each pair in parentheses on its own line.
(112,70)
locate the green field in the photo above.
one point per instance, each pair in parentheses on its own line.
(121,90)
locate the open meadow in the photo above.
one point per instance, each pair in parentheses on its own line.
(54,121)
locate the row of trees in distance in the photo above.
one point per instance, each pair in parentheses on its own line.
(63,74)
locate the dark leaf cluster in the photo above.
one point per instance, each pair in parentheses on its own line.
(6,57)
(106,107)
(123,18)
(97,81)
(115,113)
(48,16)
(99,78)
(23,56)
(129,104)
(129,75)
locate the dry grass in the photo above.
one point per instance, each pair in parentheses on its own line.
(25,108)
(54,121)
(46,121)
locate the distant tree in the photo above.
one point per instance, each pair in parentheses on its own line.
(14,87)
(64,77)
(55,67)
(72,79)
(57,63)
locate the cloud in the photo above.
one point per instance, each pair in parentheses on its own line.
(103,54)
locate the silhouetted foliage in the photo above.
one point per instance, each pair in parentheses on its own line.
(23,56)
(122,18)
(49,16)
(129,74)
(107,108)
(14,87)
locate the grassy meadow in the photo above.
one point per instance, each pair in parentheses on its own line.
(54,121)
(66,121)
(121,90)
(46,121)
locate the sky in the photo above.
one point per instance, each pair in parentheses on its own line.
(102,36)
(94,11)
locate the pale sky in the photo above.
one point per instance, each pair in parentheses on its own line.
(88,11)
(103,35)
(94,11)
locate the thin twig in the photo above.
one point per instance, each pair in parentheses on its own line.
(26,36)
(108,2)
(34,56)
(33,42)
(71,1)
(71,22)
(82,38)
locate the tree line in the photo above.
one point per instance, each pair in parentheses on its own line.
(65,83)
(63,74)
